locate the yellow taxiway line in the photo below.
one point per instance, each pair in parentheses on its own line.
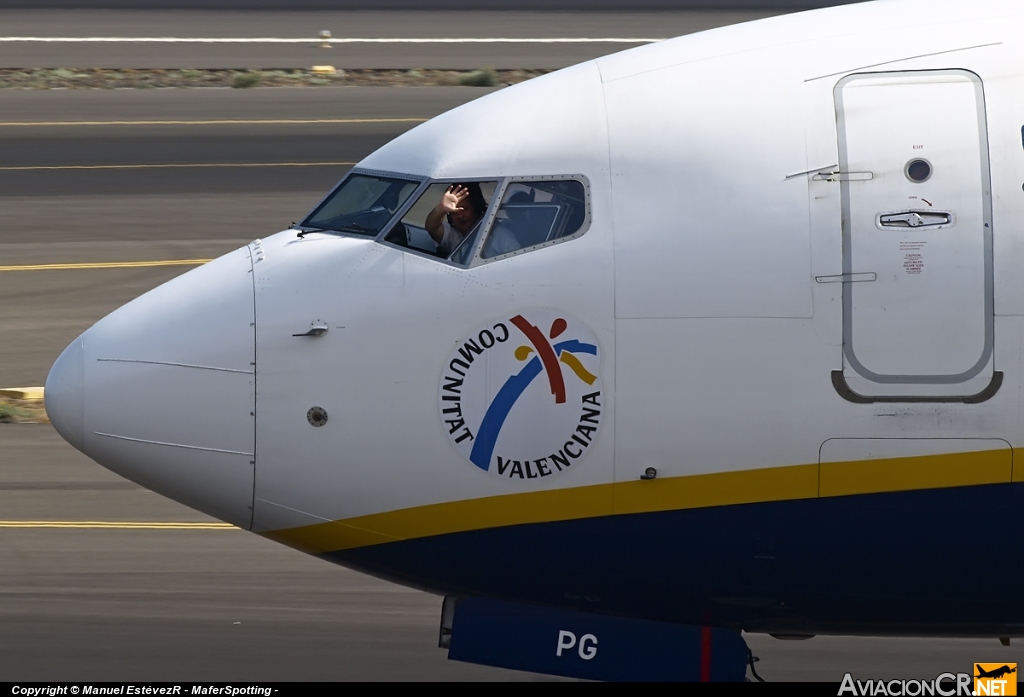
(210,122)
(114,525)
(106,265)
(28,168)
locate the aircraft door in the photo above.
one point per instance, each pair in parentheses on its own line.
(917,236)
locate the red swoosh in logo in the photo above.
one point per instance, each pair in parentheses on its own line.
(547,356)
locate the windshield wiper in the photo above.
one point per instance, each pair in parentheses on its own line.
(308,229)
(351,227)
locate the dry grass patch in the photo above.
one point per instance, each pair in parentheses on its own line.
(22,411)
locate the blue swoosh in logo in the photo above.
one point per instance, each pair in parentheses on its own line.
(508,395)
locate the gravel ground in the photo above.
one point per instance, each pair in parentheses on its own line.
(98,78)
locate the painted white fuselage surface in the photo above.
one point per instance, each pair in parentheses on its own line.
(799,370)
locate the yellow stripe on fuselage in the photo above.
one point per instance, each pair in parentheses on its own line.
(913,473)
(454,516)
(677,493)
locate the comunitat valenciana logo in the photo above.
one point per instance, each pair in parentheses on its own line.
(988,679)
(521,398)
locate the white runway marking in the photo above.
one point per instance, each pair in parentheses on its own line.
(338,40)
(115,525)
(176,165)
(210,122)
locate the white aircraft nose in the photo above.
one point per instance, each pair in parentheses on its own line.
(162,391)
(64,393)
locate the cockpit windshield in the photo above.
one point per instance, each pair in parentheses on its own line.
(445,219)
(464,221)
(450,220)
(363,204)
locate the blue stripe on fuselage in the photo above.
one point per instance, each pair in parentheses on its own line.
(944,561)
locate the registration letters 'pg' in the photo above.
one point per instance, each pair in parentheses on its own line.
(587,644)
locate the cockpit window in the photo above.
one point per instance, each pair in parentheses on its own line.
(428,227)
(535,212)
(363,204)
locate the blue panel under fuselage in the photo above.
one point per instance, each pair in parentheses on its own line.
(942,561)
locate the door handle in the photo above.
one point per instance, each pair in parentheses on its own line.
(843,176)
(315,330)
(913,219)
(848,278)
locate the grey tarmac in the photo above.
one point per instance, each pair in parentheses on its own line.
(352,23)
(213,605)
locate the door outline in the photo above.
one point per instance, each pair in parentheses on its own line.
(848,289)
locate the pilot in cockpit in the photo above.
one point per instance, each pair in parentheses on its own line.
(456,215)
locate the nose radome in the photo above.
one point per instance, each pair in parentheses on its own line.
(162,391)
(65,393)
